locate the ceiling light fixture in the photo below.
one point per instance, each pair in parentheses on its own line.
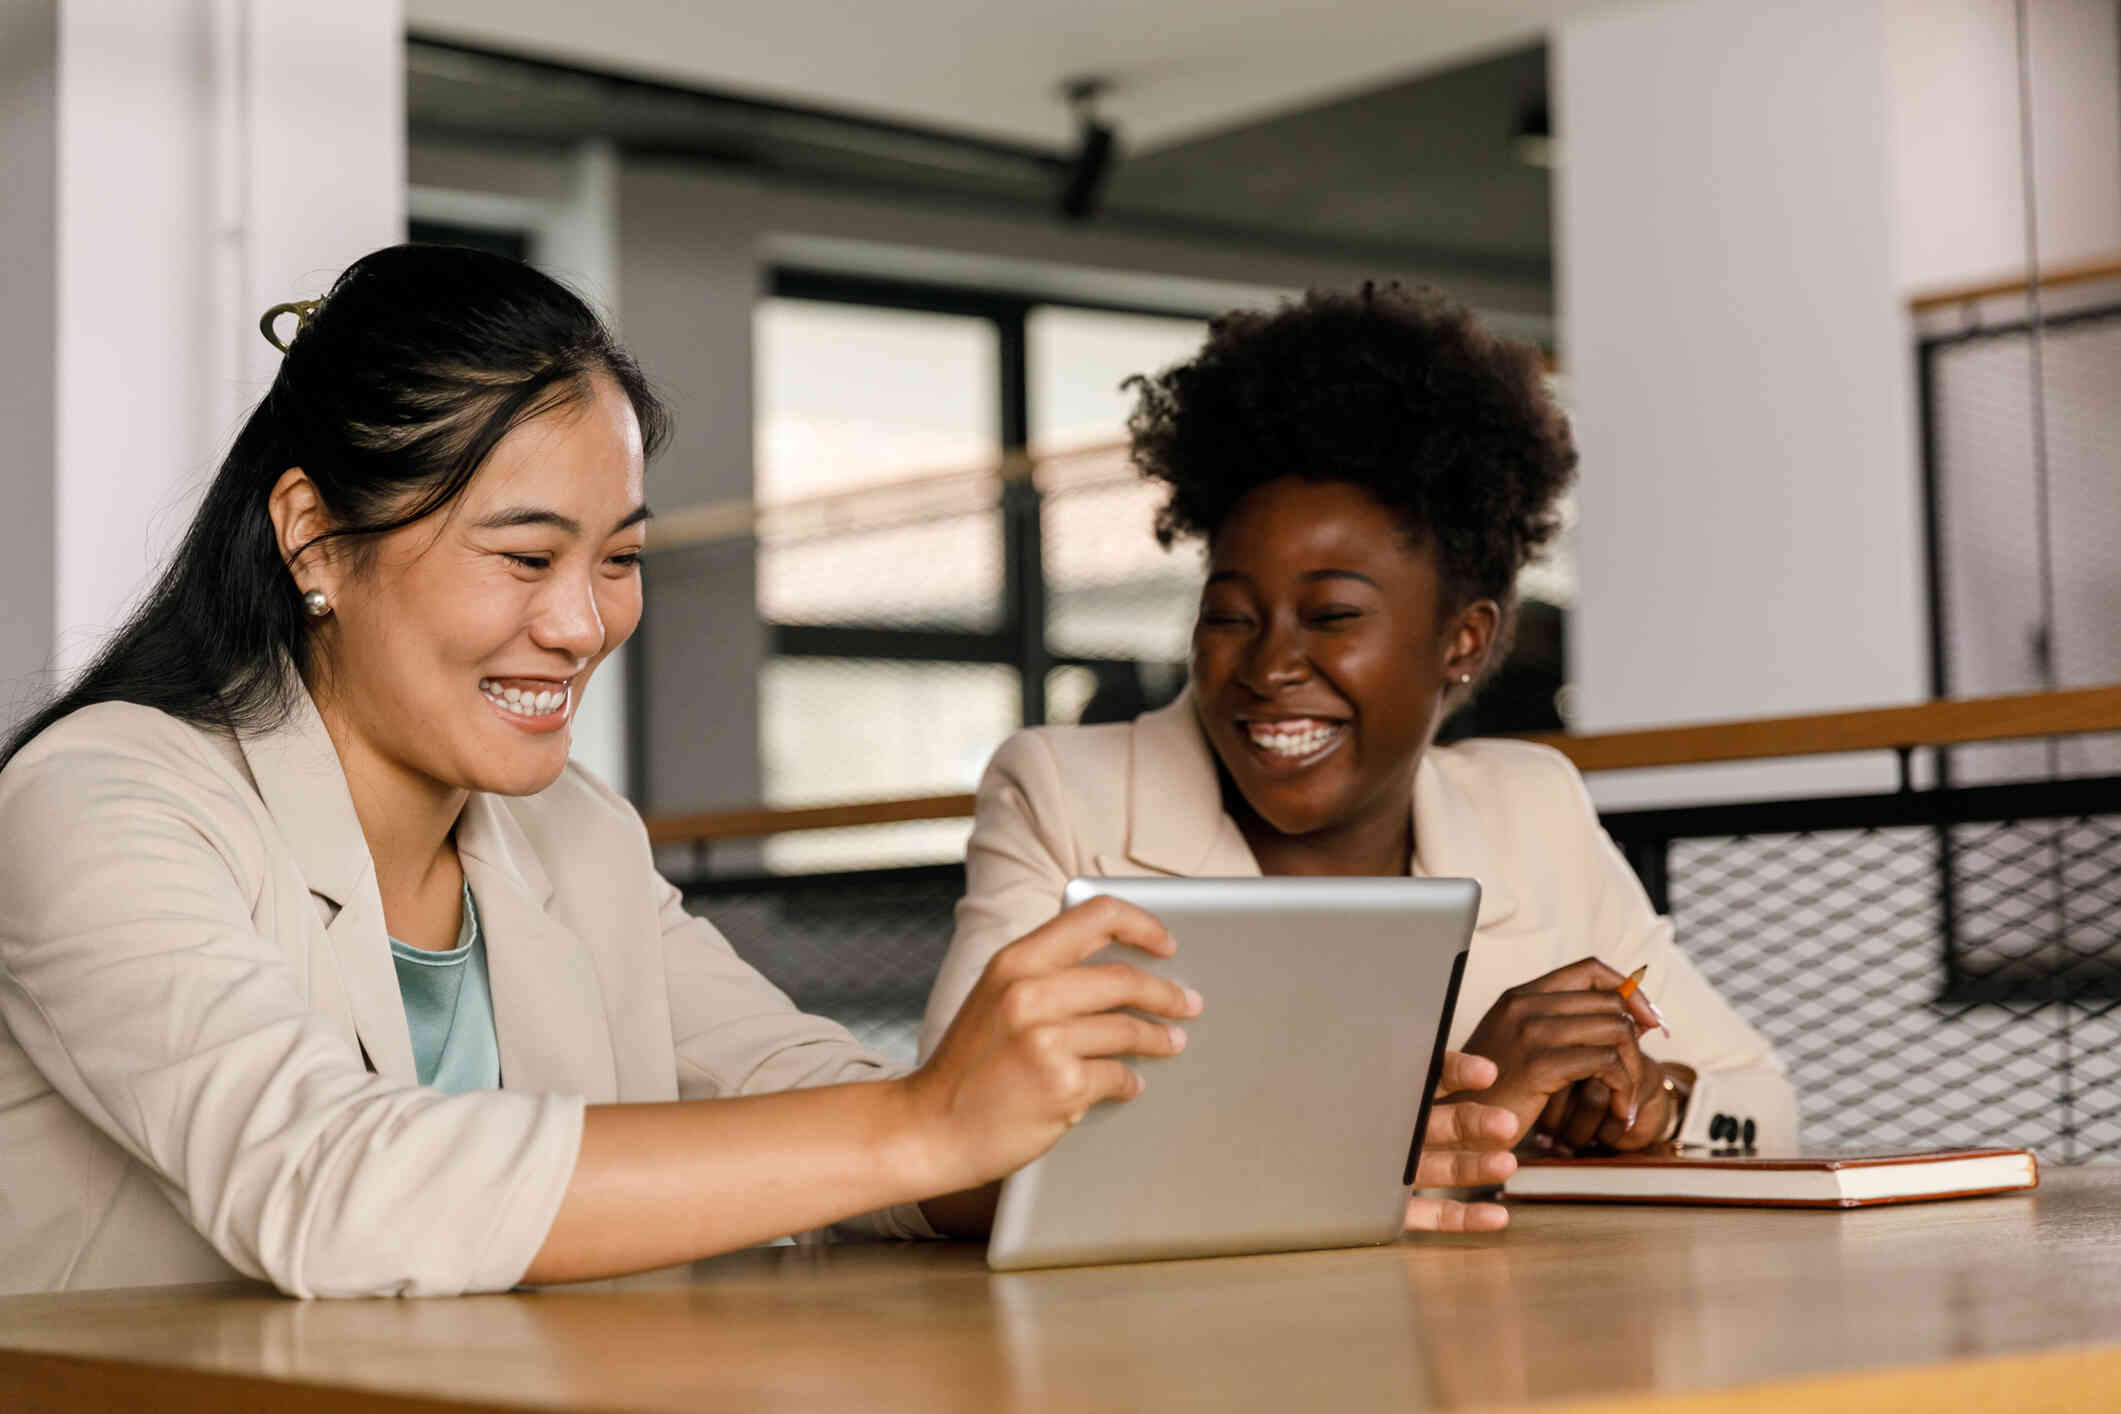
(1083,180)
(1532,139)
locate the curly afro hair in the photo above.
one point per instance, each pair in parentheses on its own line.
(1399,391)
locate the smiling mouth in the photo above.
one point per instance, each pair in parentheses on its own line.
(1296,741)
(529,698)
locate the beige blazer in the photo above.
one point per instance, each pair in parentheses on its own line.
(1143,797)
(204,1063)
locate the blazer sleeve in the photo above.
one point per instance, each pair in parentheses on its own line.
(1017,865)
(738,1034)
(134,976)
(1737,1071)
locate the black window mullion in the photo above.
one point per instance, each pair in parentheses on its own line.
(1023,560)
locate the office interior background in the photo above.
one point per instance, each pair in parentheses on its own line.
(1831,290)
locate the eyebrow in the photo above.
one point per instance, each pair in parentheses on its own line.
(511,517)
(1310,577)
(1315,576)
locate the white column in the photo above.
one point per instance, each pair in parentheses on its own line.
(1750,538)
(1958,160)
(29,238)
(211,157)
(577,241)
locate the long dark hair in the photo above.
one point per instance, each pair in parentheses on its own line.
(392,393)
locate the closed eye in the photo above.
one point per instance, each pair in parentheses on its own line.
(530,562)
(624,559)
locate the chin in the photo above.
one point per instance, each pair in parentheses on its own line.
(1296,815)
(526,777)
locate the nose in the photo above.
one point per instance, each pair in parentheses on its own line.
(567,620)
(1277,658)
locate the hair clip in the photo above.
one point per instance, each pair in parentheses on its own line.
(301,309)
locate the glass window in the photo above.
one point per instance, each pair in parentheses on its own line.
(839,729)
(1078,359)
(933,562)
(1112,591)
(850,396)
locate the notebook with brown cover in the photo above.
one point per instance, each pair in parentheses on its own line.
(1827,1180)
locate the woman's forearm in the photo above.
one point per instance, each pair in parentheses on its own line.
(659,1184)
(1037,1044)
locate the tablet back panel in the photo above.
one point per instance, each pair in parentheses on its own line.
(1289,1119)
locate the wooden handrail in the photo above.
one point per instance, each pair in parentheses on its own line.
(2086,273)
(763,820)
(864,507)
(1953,722)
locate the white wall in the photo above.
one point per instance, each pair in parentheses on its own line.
(1957,162)
(1749,541)
(214,157)
(1960,193)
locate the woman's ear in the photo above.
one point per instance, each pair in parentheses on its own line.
(298,518)
(1470,639)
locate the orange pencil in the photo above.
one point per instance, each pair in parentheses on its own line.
(1627,989)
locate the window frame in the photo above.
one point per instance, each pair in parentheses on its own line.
(1020,641)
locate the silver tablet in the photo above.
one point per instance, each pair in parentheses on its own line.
(1293,1118)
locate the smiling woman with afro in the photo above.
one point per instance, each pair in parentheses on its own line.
(1370,471)
(1399,391)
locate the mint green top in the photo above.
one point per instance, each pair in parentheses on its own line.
(449,1010)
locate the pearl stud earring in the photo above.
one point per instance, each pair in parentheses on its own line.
(315,604)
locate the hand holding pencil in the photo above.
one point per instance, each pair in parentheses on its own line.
(1571,1070)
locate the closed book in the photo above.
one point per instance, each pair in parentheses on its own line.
(1836,1180)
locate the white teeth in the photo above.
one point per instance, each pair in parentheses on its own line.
(1294,740)
(523,704)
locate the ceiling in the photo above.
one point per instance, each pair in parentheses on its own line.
(1418,173)
(1424,165)
(1179,70)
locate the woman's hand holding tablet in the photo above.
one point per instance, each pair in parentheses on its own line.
(1467,1145)
(1036,1043)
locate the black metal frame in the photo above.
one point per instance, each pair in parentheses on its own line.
(1928,349)
(1646,838)
(1020,641)
(863,944)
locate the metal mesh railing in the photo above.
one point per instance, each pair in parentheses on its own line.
(1929,982)
(1936,968)
(860,947)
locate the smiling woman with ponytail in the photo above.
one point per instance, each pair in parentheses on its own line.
(321,964)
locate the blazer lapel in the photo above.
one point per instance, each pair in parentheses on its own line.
(304,789)
(1451,841)
(548,1004)
(1175,818)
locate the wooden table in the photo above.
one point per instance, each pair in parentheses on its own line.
(1998,1302)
